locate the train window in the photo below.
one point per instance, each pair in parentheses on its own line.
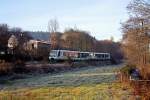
(83,55)
(32,46)
(2,52)
(65,54)
(103,55)
(99,55)
(106,56)
(53,53)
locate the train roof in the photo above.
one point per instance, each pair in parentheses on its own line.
(100,53)
(85,52)
(65,50)
(82,51)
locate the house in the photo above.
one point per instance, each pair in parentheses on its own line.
(4,54)
(3,50)
(37,44)
(38,48)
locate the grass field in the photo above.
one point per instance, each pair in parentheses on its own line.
(89,83)
(84,92)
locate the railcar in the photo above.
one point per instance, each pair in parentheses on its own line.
(84,55)
(101,56)
(63,55)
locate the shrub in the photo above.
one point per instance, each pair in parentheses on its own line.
(19,66)
(127,69)
(5,68)
(69,60)
(79,64)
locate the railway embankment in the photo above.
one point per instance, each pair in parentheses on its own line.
(37,67)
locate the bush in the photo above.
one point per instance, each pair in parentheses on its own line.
(19,66)
(79,64)
(69,60)
(127,69)
(5,68)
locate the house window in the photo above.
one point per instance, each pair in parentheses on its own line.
(32,46)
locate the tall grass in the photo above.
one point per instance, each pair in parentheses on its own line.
(5,68)
(84,92)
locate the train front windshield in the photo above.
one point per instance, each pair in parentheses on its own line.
(53,53)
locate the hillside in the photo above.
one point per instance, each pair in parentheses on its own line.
(40,35)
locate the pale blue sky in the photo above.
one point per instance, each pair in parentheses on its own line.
(100,17)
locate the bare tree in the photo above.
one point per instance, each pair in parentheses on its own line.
(55,40)
(139,8)
(77,40)
(4,34)
(136,36)
(3,28)
(54,34)
(16,29)
(53,26)
(12,43)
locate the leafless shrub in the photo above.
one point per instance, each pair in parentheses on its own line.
(5,68)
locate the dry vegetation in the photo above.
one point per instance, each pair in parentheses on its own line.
(136,36)
(135,42)
(87,83)
(5,68)
(85,92)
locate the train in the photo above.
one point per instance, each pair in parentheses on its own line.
(64,55)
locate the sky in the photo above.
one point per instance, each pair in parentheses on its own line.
(101,18)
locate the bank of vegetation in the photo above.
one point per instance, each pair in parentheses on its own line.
(136,46)
(16,51)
